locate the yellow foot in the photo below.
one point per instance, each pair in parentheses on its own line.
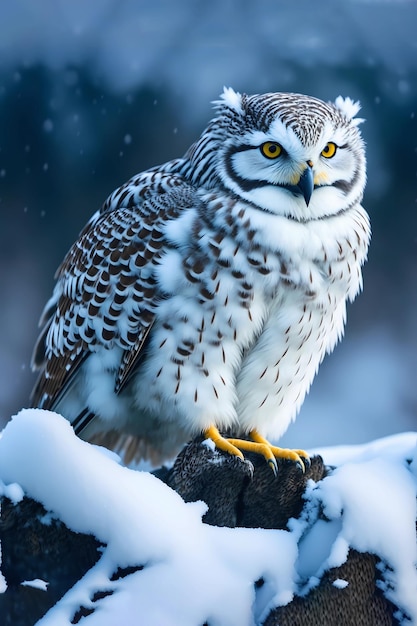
(259,445)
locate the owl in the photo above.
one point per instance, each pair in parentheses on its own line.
(204,294)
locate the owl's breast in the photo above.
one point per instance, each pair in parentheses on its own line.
(243,322)
(278,368)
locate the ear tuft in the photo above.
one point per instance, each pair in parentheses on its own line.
(349,108)
(231,99)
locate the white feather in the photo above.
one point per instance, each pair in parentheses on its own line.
(349,108)
(231,99)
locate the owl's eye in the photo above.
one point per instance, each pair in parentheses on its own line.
(271,149)
(329,151)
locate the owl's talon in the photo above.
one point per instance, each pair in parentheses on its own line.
(222,443)
(300,457)
(301,467)
(258,445)
(305,458)
(273,465)
(301,460)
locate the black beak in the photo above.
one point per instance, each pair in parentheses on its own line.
(306,183)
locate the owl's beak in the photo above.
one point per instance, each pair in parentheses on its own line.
(306,183)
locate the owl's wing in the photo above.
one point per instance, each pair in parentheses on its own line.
(106,292)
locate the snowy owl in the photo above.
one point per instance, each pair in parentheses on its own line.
(205,293)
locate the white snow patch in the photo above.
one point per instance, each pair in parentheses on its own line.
(370,502)
(209,443)
(36,583)
(192,572)
(13,491)
(339,583)
(395,447)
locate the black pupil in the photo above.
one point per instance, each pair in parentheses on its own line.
(272,148)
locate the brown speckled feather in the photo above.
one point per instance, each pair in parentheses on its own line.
(108,292)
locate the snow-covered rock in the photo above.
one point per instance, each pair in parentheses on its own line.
(193,573)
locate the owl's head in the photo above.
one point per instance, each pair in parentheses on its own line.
(285,153)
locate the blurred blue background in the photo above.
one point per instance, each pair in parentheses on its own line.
(91,93)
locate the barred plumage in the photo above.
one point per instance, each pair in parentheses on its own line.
(206,291)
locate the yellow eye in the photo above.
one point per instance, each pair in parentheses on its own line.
(329,151)
(271,149)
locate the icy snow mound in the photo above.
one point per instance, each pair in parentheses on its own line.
(194,572)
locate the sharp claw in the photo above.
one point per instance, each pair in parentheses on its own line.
(307,462)
(259,445)
(302,460)
(273,465)
(301,466)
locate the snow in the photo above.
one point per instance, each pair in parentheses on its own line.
(13,491)
(143,522)
(36,583)
(377,518)
(339,583)
(191,572)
